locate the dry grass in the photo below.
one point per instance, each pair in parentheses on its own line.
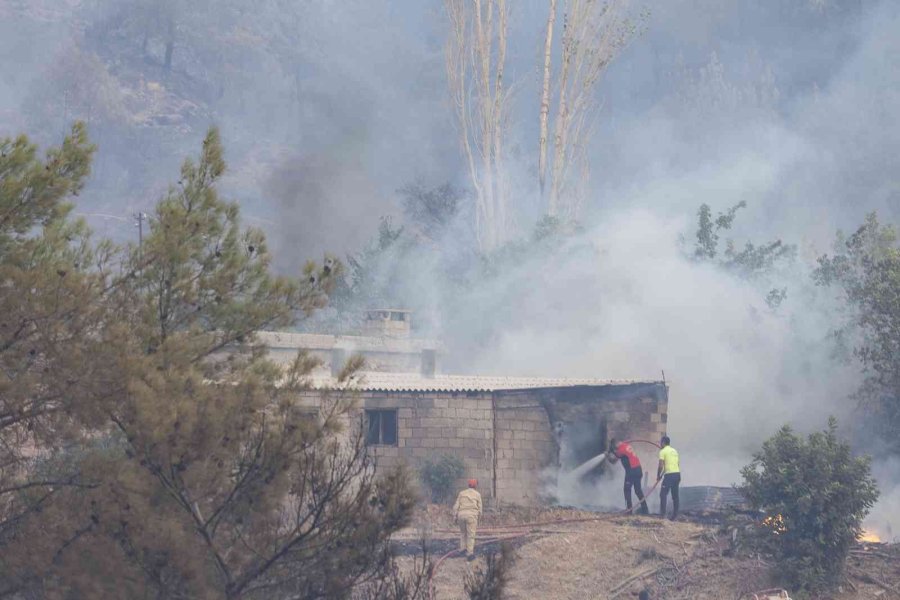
(590,561)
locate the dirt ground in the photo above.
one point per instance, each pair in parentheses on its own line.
(685,560)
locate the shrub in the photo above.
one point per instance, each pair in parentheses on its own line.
(815,495)
(439,473)
(489,583)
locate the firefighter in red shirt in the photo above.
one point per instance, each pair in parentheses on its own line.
(633,472)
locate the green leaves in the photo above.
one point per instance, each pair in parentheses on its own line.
(820,493)
(33,192)
(866,271)
(750,261)
(182,462)
(440,473)
(200,272)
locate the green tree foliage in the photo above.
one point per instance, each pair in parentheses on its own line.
(866,270)
(404,260)
(159,452)
(440,473)
(425,264)
(33,191)
(50,275)
(751,262)
(373,279)
(158,28)
(550,237)
(431,210)
(368,272)
(428,214)
(817,494)
(707,245)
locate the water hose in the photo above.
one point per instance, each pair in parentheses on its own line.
(500,531)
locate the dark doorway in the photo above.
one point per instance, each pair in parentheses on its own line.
(580,441)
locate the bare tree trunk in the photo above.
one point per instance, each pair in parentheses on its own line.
(458,49)
(594,32)
(170,44)
(545,97)
(476,57)
(483,33)
(170,49)
(500,193)
(562,109)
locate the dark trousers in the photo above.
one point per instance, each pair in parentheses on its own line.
(670,483)
(633,478)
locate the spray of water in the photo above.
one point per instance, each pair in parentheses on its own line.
(585,467)
(570,487)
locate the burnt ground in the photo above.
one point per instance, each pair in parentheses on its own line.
(697,558)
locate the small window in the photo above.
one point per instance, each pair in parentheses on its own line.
(381,427)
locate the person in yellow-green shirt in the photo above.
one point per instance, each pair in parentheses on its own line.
(670,472)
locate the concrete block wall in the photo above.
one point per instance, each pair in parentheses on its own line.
(390,362)
(640,418)
(434,423)
(507,439)
(286,356)
(526,448)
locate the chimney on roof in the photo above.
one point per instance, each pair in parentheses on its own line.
(428,362)
(338,360)
(387,322)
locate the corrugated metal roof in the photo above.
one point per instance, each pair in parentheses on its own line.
(411,382)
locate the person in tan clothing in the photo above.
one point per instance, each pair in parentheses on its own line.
(467,510)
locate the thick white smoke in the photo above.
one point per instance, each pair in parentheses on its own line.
(624,300)
(791,106)
(636,306)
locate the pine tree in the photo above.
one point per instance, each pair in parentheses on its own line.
(50,276)
(199,474)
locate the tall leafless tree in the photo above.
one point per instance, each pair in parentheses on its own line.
(545,96)
(594,32)
(476,58)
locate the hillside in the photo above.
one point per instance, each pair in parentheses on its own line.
(621,556)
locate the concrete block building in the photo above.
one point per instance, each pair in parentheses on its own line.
(514,434)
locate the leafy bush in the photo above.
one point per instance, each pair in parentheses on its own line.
(815,495)
(439,473)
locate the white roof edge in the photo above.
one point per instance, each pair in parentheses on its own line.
(317,341)
(411,382)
